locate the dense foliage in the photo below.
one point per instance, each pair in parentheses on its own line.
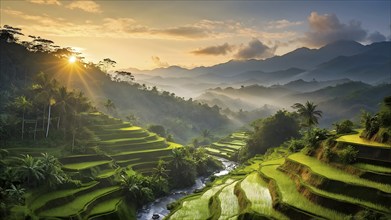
(272,132)
(378,126)
(182,118)
(19,174)
(187,164)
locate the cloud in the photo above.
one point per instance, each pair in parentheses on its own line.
(255,49)
(127,27)
(85,5)
(46,2)
(159,63)
(376,37)
(214,50)
(281,24)
(186,32)
(327,28)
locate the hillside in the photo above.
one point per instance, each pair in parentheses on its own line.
(116,149)
(183,118)
(338,99)
(285,185)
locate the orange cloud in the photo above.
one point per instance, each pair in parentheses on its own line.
(85,5)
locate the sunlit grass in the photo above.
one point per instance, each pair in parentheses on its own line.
(228,202)
(291,196)
(47,197)
(78,204)
(172,145)
(336,174)
(348,199)
(107,206)
(198,207)
(355,139)
(374,168)
(85,165)
(132,128)
(107,173)
(274,162)
(126,139)
(258,193)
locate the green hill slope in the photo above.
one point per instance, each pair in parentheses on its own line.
(117,148)
(298,186)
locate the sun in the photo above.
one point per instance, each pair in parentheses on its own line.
(72,59)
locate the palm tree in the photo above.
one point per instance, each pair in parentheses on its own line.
(63,102)
(132,185)
(46,87)
(31,169)
(54,175)
(206,133)
(22,103)
(178,157)
(160,171)
(109,105)
(15,193)
(132,119)
(308,113)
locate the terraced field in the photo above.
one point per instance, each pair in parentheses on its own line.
(228,146)
(120,147)
(296,187)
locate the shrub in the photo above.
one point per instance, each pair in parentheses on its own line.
(348,155)
(296,145)
(327,154)
(314,136)
(343,127)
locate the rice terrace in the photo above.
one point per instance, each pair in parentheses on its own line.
(188,110)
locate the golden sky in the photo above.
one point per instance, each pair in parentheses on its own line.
(151,34)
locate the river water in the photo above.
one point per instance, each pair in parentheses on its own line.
(159,206)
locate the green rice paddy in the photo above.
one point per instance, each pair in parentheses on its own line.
(258,193)
(228,202)
(356,139)
(336,174)
(292,197)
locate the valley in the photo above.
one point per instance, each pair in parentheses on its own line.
(186,110)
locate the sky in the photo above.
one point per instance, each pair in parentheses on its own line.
(153,34)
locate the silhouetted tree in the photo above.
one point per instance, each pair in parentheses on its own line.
(106,64)
(23,104)
(308,113)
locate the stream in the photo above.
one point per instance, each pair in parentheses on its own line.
(159,206)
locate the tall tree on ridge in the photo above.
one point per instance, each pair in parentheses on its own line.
(46,87)
(22,103)
(308,113)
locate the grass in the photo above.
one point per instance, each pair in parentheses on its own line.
(106,206)
(258,193)
(374,168)
(197,207)
(172,145)
(355,139)
(140,151)
(348,199)
(291,196)
(142,146)
(336,174)
(85,165)
(78,204)
(47,197)
(132,128)
(128,139)
(228,202)
(107,173)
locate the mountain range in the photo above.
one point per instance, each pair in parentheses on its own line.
(339,60)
